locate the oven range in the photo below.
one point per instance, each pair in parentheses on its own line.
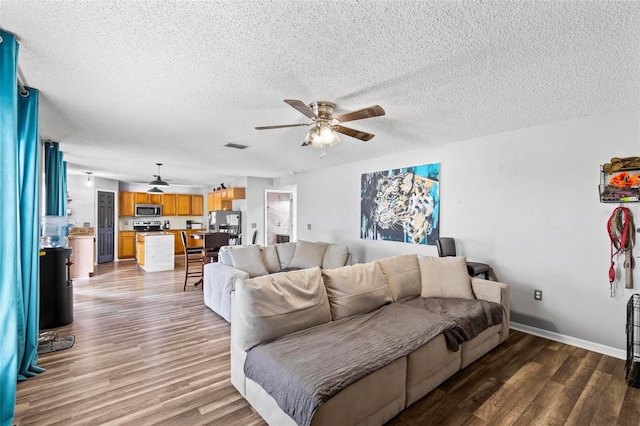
(147,225)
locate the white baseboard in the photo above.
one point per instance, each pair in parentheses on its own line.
(557,337)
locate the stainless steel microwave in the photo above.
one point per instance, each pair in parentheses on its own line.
(148,210)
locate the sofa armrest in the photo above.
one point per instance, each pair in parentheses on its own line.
(219,282)
(238,356)
(496,292)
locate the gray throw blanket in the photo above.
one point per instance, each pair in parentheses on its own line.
(304,369)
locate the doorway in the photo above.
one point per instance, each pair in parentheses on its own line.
(279,216)
(106,218)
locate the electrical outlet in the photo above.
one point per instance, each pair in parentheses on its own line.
(254,225)
(309,226)
(537,294)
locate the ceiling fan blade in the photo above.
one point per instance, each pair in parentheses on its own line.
(282,126)
(302,107)
(358,134)
(373,111)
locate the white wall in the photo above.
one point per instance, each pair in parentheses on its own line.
(524,201)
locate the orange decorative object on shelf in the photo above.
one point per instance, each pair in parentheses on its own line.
(625,180)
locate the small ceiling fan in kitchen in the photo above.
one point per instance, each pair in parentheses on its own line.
(325,125)
(157,182)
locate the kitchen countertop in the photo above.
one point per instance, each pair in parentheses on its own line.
(154,233)
(86,231)
(73,237)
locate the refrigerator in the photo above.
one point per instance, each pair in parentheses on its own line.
(227,221)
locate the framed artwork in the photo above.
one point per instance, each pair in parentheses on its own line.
(401,204)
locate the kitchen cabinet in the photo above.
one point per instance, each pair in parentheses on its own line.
(126,244)
(127,204)
(169,206)
(197,205)
(82,255)
(141,197)
(154,198)
(155,251)
(233,194)
(177,242)
(215,202)
(184,204)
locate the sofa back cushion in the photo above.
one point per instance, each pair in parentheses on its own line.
(274,305)
(335,256)
(285,253)
(308,254)
(248,259)
(402,274)
(445,277)
(270,258)
(355,289)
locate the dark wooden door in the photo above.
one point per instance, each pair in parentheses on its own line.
(106,217)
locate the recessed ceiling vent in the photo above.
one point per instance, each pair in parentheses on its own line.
(236,145)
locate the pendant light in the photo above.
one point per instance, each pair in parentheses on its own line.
(158,180)
(155,190)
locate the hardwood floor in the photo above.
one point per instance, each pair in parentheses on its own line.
(148,353)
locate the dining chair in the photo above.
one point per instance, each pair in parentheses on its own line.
(212,243)
(192,262)
(447,247)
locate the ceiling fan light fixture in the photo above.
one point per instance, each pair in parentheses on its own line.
(158,180)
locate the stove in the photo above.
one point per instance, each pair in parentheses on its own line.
(147,225)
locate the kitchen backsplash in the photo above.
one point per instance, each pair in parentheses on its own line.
(125,223)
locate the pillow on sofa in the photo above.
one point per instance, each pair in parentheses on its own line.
(274,305)
(445,277)
(270,258)
(285,253)
(308,254)
(335,256)
(355,289)
(248,259)
(402,274)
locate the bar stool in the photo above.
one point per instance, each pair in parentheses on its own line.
(212,243)
(192,258)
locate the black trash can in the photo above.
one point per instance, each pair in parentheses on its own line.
(56,288)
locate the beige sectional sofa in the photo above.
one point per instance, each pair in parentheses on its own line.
(251,261)
(389,299)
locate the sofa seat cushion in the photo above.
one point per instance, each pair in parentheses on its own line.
(304,369)
(356,289)
(402,274)
(444,277)
(429,366)
(480,345)
(273,305)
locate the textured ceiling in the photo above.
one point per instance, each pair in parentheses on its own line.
(127,84)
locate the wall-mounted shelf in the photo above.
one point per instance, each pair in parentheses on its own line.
(622,186)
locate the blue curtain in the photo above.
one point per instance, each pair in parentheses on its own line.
(19,272)
(55,177)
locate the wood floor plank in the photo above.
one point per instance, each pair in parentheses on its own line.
(147,353)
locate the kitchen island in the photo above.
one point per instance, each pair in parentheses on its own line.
(154,251)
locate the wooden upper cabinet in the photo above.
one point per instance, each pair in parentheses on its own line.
(233,194)
(154,198)
(222,199)
(169,205)
(141,198)
(184,204)
(197,205)
(127,204)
